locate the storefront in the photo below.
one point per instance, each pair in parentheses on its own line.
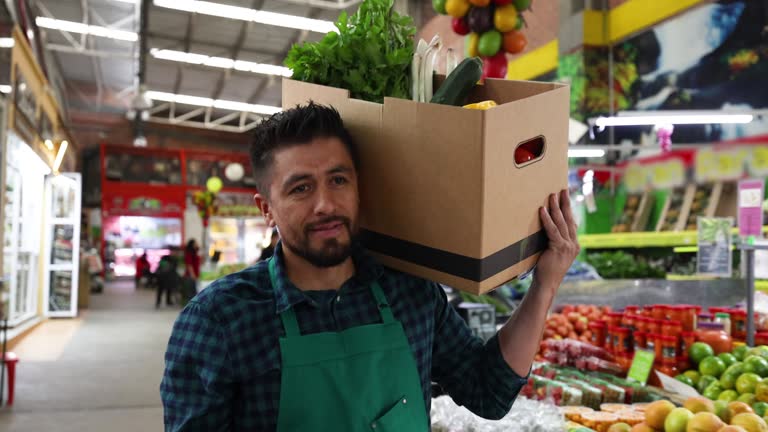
(41,203)
(148,207)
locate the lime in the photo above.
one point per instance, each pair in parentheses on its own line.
(713,391)
(747,382)
(756,364)
(727,358)
(747,398)
(760,408)
(722,411)
(694,375)
(712,366)
(728,396)
(760,351)
(740,352)
(685,380)
(731,374)
(705,382)
(699,351)
(761,391)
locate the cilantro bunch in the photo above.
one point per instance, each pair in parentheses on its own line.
(370,55)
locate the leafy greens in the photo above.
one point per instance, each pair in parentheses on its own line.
(370,55)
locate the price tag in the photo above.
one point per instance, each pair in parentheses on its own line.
(668,174)
(635,177)
(730,164)
(706,165)
(751,195)
(641,367)
(758,163)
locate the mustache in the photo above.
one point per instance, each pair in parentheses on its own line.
(327,220)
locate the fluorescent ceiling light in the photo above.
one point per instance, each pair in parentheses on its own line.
(60,156)
(220,62)
(76,27)
(6,42)
(127,1)
(208,102)
(586,153)
(247,14)
(640,120)
(4,88)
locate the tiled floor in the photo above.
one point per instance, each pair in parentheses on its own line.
(97,373)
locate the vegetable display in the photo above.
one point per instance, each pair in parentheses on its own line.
(491,27)
(370,55)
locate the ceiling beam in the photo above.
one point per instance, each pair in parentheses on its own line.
(235,53)
(298,37)
(176,42)
(187,43)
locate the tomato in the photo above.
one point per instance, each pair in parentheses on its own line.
(514,42)
(439,6)
(460,26)
(505,18)
(470,45)
(489,43)
(480,3)
(523,155)
(496,66)
(522,5)
(457,8)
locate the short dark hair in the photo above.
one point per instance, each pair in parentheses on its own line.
(295,126)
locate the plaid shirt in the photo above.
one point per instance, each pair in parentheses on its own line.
(222,366)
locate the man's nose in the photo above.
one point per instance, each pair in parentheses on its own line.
(325,203)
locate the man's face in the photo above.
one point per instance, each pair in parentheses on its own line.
(313,200)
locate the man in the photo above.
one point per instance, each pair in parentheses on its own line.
(321,337)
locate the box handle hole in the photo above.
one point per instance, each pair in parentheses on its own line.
(528,152)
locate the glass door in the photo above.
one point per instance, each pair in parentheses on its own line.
(11,242)
(62,246)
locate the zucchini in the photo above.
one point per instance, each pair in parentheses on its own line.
(459,83)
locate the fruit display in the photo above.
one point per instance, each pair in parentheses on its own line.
(492,28)
(573,322)
(700,204)
(627,218)
(672,210)
(579,354)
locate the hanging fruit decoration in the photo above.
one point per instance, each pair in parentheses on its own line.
(492,29)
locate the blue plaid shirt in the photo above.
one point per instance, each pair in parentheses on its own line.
(222,366)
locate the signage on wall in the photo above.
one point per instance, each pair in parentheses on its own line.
(751,195)
(25,108)
(714,256)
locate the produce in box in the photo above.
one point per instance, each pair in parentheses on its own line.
(492,29)
(370,55)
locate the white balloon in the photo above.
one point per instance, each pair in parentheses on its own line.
(234,172)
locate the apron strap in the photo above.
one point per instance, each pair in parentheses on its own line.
(382,303)
(288,317)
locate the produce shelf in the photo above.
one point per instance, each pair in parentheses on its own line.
(642,239)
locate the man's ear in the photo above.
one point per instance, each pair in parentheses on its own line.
(263,205)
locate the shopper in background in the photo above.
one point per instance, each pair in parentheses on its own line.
(192,260)
(142,269)
(268,251)
(168,279)
(323,337)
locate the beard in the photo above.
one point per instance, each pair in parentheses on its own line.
(331,253)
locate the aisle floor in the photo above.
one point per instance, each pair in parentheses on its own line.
(96,373)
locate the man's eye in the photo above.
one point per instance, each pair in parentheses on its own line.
(339,180)
(300,189)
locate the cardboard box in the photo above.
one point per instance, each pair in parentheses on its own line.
(441,194)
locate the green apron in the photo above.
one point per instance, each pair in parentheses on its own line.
(360,379)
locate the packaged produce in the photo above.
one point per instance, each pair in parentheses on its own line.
(714,335)
(576,349)
(591,396)
(526,415)
(633,392)
(540,388)
(599,421)
(724,319)
(574,413)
